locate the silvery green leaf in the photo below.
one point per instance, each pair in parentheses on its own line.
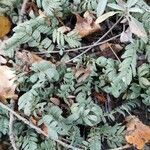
(103,17)
(101,7)
(136,9)
(52,133)
(115,6)
(131,3)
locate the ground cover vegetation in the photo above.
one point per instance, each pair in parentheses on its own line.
(74,74)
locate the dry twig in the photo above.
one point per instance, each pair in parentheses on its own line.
(11,135)
(22,12)
(36,128)
(80,48)
(122,147)
(96,41)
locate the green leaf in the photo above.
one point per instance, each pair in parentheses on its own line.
(136,10)
(103,17)
(101,7)
(52,133)
(131,3)
(115,6)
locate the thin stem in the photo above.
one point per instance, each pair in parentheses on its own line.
(113,52)
(122,147)
(22,12)
(11,135)
(36,128)
(80,48)
(96,41)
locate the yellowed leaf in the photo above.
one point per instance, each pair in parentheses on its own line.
(5,26)
(86,25)
(7,85)
(137,133)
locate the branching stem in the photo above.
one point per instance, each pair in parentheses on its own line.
(96,41)
(36,128)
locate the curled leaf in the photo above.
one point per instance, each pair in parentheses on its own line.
(86,26)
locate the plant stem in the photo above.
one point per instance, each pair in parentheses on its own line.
(22,12)
(11,135)
(96,41)
(36,128)
(113,52)
(122,147)
(80,48)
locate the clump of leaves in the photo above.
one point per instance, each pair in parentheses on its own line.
(74,97)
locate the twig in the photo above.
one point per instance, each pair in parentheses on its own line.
(22,12)
(114,52)
(36,128)
(122,147)
(11,135)
(96,41)
(80,48)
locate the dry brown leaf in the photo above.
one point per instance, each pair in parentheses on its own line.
(34,120)
(55,100)
(82,74)
(7,85)
(86,25)
(137,133)
(28,58)
(5,26)
(100,97)
(106,50)
(31,6)
(116,47)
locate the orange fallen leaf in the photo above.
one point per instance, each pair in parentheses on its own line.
(86,25)
(5,26)
(137,133)
(7,85)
